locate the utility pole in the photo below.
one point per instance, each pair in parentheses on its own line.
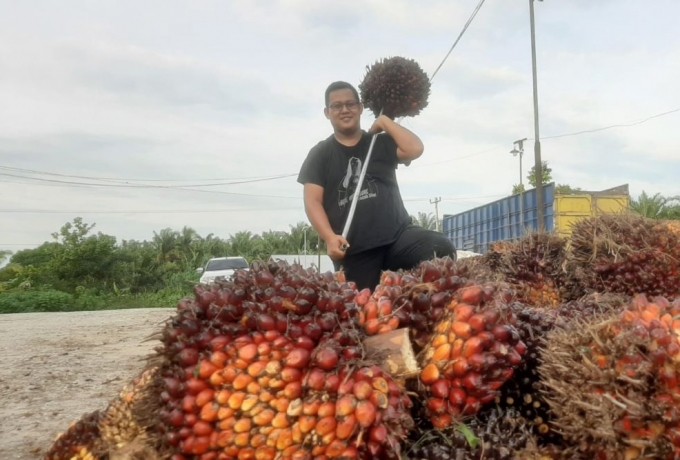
(435,202)
(519,150)
(537,138)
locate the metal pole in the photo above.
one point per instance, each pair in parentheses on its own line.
(537,138)
(305,233)
(521,195)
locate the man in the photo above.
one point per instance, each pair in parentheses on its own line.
(382,236)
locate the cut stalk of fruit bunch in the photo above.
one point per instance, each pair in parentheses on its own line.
(624,368)
(473,351)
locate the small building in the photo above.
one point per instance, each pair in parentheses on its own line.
(322,262)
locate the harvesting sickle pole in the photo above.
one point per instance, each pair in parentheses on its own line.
(357,190)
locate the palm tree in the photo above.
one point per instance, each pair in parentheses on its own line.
(657,206)
(242,244)
(165,244)
(425,220)
(4,254)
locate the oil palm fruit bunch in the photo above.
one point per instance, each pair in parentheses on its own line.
(626,254)
(522,392)
(132,415)
(612,382)
(396,85)
(498,435)
(269,365)
(533,266)
(415,299)
(82,441)
(472,353)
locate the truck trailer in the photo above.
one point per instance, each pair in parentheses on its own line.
(510,218)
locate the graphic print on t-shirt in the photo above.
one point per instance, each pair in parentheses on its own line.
(349,184)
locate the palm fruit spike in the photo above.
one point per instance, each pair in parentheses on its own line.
(473,351)
(497,436)
(612,382)
(397,86)
(82,441)
(522,391)
(417,298)
(131,416)
(626,254)
(533,265)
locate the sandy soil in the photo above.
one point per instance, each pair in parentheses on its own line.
(58,366)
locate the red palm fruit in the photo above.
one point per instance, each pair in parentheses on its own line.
(379,399)
(362,390)
(346,387)
(264,418)
(441,421)
(332,383)
(477,322)
(248,352)
(315,379)
(306,423)
(298,358)
(472,346)
(311,407)
(471,295)
(440,388)
(326,425)
(463,312)
(326,409)
(436,405)
(241,382)
(291,374)
(378,434)
(460,367)
(209,412)
(335,449)
(345,405)
(293,390)
(256,369)
(381,385)
(365,413)
(457,396)
(346,427)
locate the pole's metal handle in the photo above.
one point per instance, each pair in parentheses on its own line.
(357,190)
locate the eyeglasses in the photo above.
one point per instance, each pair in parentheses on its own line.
(337,106)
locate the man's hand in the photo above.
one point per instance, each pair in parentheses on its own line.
(378,125)
(334,246)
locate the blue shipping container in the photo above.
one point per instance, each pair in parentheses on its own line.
(476,229)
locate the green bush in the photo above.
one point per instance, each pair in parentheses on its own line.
(35,301)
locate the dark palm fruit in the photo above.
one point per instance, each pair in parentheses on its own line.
(646,258)
(397,86)
(81,436)
(533,265)
(522,391)
(499,433)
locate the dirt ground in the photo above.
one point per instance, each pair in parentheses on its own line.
(58,366)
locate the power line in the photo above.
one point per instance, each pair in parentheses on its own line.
(241,180)
(157,187)
(234,182)
(620,125)
(465,27)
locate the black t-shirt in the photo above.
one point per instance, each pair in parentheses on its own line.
(380,213)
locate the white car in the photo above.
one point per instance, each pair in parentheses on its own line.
(221,267)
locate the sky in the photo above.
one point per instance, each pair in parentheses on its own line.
(152,103)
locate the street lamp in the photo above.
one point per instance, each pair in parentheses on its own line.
(537,139)
(519,150)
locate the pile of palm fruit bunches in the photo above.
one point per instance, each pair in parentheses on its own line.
(543,348)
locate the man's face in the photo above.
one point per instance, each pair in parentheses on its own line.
(344,111)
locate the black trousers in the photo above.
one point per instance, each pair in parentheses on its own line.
(414,245)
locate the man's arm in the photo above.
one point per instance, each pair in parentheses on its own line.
(409,146)
(313,197)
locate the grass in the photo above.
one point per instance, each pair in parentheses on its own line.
(50,300)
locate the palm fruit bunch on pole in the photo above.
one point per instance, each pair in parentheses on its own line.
(270,365)
(626,254)
(612,381)
(498,435)
(533,265)
(471,354)
(395,87)
(82,440)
